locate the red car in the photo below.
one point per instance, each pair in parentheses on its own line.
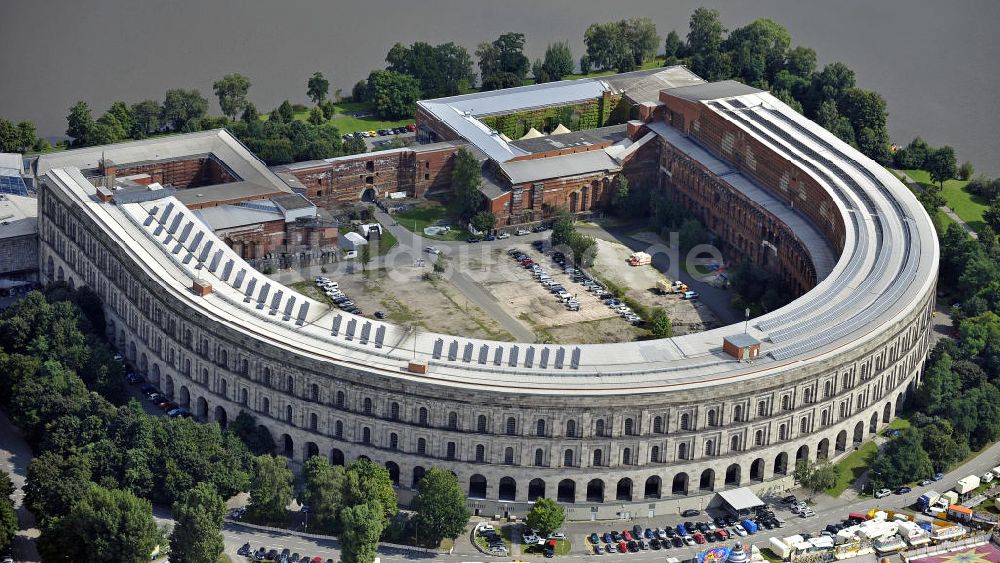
(621,547)
(627,535)
(411,127)
(698,538)
(723,535)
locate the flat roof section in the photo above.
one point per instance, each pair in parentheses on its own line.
(218,142)
(586,137)
(713,91)
(227,193)
(18,216)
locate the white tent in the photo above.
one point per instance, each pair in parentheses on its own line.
(505,138)
(741,500)
(532,134)
(560,129)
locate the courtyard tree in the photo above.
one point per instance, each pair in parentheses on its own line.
(546,516)
(466,180)
(317,88)
(484,221)
(659,324)
(816,476)
(440,506)
(270,491)
(197,533)
(232,90)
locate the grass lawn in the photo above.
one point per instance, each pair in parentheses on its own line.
(347,123)
(967,206)
(851,467)
(223,558)
(387,243)
(446,544)
(414,220)
(899,424)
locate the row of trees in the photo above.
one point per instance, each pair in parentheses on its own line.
(8,517)
(957,406)
(19,137)
(622,45)
(102,461)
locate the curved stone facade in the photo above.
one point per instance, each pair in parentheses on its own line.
(620,441)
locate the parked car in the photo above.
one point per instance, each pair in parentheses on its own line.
(691,295)
(938,476)
(432,250)
(689,512)
(521,232)
(903,490)
(882,493)
(925,482)
(503,236)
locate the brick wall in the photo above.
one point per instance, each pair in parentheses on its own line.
(187,173)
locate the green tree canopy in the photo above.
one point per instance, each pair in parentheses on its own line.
(659,324)
(362,526)
(759,51)
(181,107)
(941,165)
(270,491)
(546,516)
(103,525)
(232,90)
(465,181)
(8,517)
(440,506)
(502,63)
(816,476)
(80,122)
(323,491)
(317,88)
(558,60)
(484,221)
(368,481)
(902,460)
(145,118)
(197,534)
(442,70)
(393,94)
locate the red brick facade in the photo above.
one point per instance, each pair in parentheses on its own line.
(346,180)
(255,241)
(180,173)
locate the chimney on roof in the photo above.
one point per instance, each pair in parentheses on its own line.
(108,170)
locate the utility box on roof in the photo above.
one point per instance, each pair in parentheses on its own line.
(741,346)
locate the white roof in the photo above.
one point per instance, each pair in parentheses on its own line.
(354,237)
(18,216)
(222,217)
(741,499)
(11,160)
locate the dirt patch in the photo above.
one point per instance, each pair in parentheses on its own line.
(414,297)
(639,283)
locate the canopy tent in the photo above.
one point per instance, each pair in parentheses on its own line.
(505,138)
(560,129)
(741,500)
(532,134)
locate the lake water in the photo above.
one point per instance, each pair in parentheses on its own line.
(936,63)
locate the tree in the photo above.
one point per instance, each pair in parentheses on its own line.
(966,170)
(8,516)
(393,94)
(197,534)
(440,506)
(546,516)
(938,440)
(103,525)
(368,481)
(913,156)
(80,122)
(502,63)
(250,114)
(145,118)
(659,324)
(538,72)
(758,51)
(359,93)
(270,490)
(801,62)
(26,136)
(902,460)
(585,65)
(705,31)
(323,491)
(941,165)
(362,526)
(256,438)
(181,107)
(816,476)
(318,88)
(484,221)
(992,215)
(316,116)
(365,257)
(830,84)
(465,182)
(673,46)
(442,70)
(232,90)
(558,60)
(691,234)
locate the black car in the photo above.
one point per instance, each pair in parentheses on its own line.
(594,539)
(677,541)
(654,544)
(637,531)
(245,550)
(690,512)
(617,537)
(608,537)
(273,554)
(790,499)
(632,547)
(472,240)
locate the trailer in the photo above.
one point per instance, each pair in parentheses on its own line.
(967,484)
(640,259)
(927,499)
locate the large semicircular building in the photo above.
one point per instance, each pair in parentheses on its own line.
(634,427)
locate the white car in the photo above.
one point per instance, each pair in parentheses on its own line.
(557,536)
(529,539)
(807,513)
(882,493)
(503,235)
(740,531)
(522,232)
(432,250)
